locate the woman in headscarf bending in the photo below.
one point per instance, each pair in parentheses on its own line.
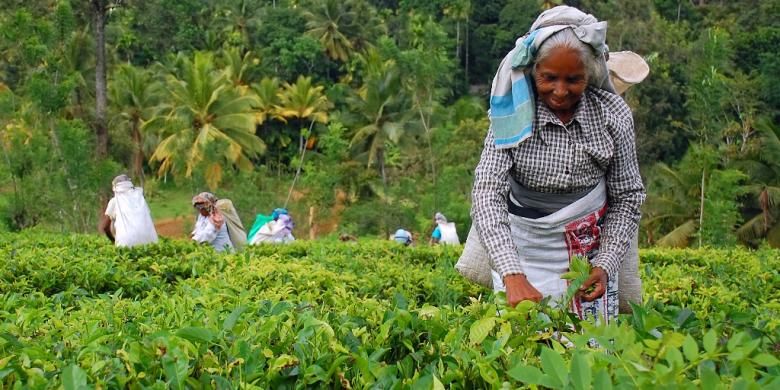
(210,226)
(558,175)
(276,231)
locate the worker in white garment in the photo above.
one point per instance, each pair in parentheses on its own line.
(127,220)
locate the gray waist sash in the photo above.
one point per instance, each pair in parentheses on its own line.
(542,202)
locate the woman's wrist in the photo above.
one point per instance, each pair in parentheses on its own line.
(515,278)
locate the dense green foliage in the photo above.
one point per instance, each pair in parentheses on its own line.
(368,114)
(77,311)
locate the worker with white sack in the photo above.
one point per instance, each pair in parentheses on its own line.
(445,232)
(127,220)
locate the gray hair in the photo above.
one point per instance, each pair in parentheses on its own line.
(567,38)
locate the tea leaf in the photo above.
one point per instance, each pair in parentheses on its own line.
(196,334)
(690,348)
(480,329)
(580,372)
(710,341)
(765,360)
(231,319)
(526,374)
(74,378)
(554,366)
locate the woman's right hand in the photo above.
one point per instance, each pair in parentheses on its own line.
(519,289)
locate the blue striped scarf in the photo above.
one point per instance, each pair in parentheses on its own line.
(512,99)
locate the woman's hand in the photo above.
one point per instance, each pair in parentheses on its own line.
(597,280)
(519,289)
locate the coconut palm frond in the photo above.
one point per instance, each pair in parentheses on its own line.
(680,236)
(210,123)
(302,100)
(267,91)
(755,228)
(769,134)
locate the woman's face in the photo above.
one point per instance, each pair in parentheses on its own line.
(202,209)
(560,81)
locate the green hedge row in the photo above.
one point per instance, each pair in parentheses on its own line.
(78,312)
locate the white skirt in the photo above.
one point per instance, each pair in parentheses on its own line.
(546,246)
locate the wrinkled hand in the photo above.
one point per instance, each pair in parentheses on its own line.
(519,289)
(597,280)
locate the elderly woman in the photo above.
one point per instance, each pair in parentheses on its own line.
(558,175)
(210,226)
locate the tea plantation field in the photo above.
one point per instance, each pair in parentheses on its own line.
(75,313)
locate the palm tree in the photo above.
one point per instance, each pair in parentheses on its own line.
(79,61)
(207,123)
(671,206)
(460,10)
(343,26)
(700,197)
(239,17)
(302,101)
(377,104)
(427,69)
(267,91)
(675,197)
(240,68)
(326,22)
(762,165)
(134,97)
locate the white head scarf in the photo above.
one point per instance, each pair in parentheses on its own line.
(121,183)
(512,99)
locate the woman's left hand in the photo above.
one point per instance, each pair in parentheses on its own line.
(598,280)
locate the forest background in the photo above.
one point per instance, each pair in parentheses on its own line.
(363,116)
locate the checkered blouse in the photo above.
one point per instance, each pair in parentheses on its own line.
(557,158)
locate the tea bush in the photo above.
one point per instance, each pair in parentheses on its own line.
(77,312)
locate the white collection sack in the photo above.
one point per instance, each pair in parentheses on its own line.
(449,235)
(132,219)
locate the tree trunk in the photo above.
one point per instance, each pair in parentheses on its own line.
(300,165)
(138,157)
(295,178)
(101,130)
(457,41)
(701,206)
(312,230)
(381,157)
(679,7)
(466,53)
(430,153)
